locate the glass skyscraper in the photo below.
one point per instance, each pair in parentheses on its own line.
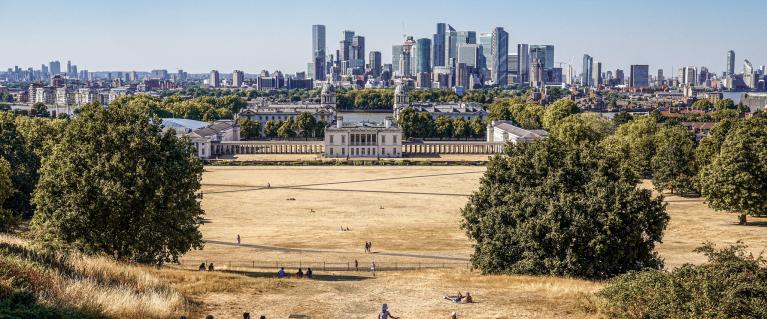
(422,55)
(499,73)
(438,49)
(318,52)
(545,53)
(588,71)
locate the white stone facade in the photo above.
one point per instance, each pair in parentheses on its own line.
(363,140)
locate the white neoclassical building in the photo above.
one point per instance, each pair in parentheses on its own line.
(363,139)
(506,131)
(262,110)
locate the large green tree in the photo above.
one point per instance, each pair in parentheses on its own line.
(117,184)
(558,111)
(249,129)
(551,208)
(673,165)
(633,144)
(7,219)
(305,123)
(443,127)
(271,127)
(24,165)
(287,129)
(582,128)
(736,179)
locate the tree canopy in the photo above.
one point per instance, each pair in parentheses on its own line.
(736,178)
(551,208)
(558,111)
(634,144)
(673,165)
(24,164)
(582,128)
(7,218)
(117,184)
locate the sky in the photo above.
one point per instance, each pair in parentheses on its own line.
(198,36)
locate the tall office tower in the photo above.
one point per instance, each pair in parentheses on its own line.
(469,54)
(405,57)
(588,71)
(749,77)
(55,67)
(731,62)
(462,75)
(545,53)
(660,80)
(345,46)
(620,78)
(499,52)
(640,76)
(375,63)
(466,37)
(523,52)
(74,72)
(596,74)
(536,74)
(396,52)
(485,47)
(438,49)
(513,63)
(703,76)
(451,44)
(422,56)
(689,75)
(213,79)
(358,50)
(69,68)
(569,75)
(319,48)
(237,78)
(44,71)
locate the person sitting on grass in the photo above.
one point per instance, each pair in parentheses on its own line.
(210,267)
(202,267)
(309,273)
(385,314)
(455,299)
(453,315)
(300,273)
(281,273)
(468,298)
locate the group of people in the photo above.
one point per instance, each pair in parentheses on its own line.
(460,298)
(368,246)
(346,229)
(299,274)
(202,267)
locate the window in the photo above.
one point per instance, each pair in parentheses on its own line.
(343,139)
(383,139)
(395,139)
(331,142)
(331,151)
(343,151)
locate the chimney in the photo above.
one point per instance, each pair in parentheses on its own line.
(339,121)
(388,122)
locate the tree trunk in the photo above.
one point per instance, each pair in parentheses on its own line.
(742,220)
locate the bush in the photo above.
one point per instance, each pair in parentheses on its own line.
(733,284)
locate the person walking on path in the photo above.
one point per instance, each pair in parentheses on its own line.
(238,239)
(356,265)
(373,268)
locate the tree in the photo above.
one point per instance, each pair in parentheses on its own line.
(709,146)
(287,129)
(732,284)
(478,127)
(703,105)
(319,129)
(24,166)
(7,219)
(270,128)
(558,111)
(622,117)
(736,179)
(634,144)
(443,127)
(582,128)
(39,110)
(460,128)
(305,124)
(550,208)
(528,116)
(407,121)
(673,165)
(249,129)
(117,184)
(725,104)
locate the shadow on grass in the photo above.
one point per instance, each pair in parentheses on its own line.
(317,277)
(23,305)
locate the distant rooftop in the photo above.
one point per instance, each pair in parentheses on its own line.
(177,124)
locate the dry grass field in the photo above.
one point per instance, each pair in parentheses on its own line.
(412,215)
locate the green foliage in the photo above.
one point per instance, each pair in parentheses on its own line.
(736,178)
(116,184)
(416,124)
(287,129)
(558,111)
(24,165)
(365,99)
(249,130)
(203,108)
(39,110)
(433,95)
(7,219)
(443,127)
(478,127)
(709,146)
(525,115)
(733,284)
(673,165)
(461,128)
(582,128)
(622,117)
(725,114)
(551,208)
(634,145)
(725,104)
(306,124)
(703,105)
(271,127)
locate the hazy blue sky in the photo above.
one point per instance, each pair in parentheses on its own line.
(253,35)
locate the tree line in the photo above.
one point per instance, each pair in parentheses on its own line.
(304,126)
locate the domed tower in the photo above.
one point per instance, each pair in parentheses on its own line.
(400,96)
(328,95)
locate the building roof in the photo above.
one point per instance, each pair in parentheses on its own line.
(509,127)
(188,125)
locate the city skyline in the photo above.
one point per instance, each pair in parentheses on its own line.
(170,35)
